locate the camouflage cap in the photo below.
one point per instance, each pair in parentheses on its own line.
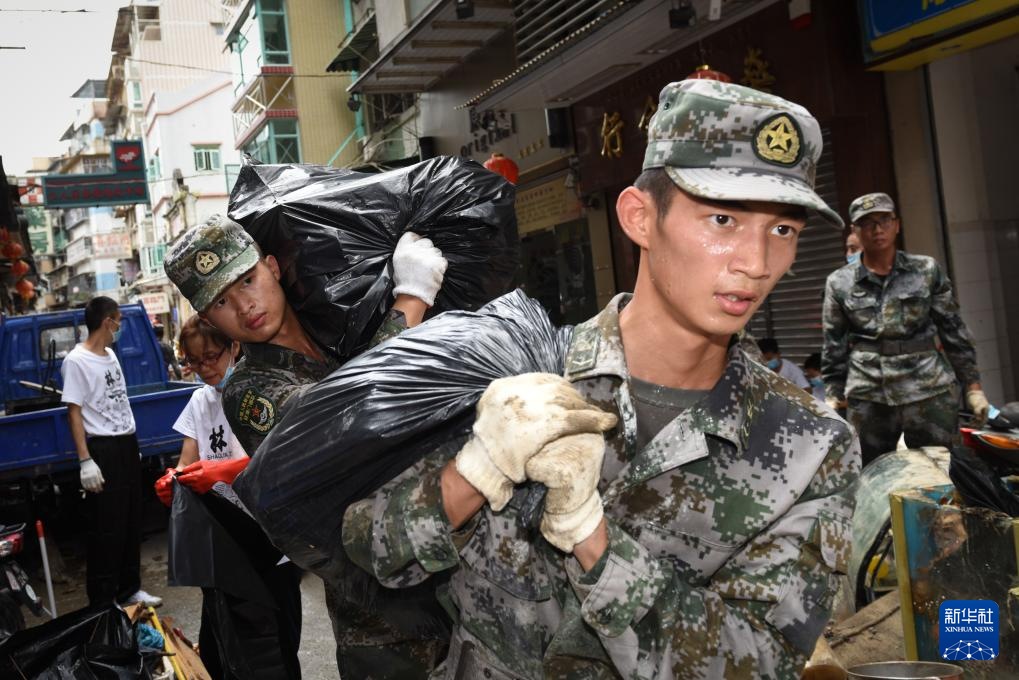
(870,203)
(728,142)
(207,258)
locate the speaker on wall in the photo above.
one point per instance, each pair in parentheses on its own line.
(427,147)
(557,124)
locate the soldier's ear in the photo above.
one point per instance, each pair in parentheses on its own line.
(273,265)
(636,212)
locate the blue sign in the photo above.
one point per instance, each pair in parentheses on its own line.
(124,186)
(885,17)
(968,630)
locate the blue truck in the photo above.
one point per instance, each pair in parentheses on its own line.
(37,450)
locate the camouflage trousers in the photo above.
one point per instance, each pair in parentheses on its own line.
(930,422)
(366,649)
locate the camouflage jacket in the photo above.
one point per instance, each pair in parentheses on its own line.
(914,302)
(726,533)
(268,376)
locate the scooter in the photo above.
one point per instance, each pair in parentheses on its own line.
(15,590)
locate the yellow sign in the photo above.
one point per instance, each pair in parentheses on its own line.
(546,205)
(755,71)
(612,135)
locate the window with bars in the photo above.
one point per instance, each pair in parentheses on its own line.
(272,15)
(277,142)
(207,158)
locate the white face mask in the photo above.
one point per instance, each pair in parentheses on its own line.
(226,376)
(853,259)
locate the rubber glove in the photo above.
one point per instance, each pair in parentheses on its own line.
(91,476)
(570,468)
(516,418)
(202,475)
(164,487)
(418,268)
(977,401)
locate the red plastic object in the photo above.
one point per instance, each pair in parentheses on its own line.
(501,165)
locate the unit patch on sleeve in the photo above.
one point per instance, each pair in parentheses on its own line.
(257,412)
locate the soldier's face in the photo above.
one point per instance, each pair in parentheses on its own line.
(253,307)
(877,231)
(710,264)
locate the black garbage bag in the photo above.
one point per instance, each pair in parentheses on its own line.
(379,414)
(95,642)
(979,483)
(334,233)
(251,603)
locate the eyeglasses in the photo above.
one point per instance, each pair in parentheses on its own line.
(207,360)
(883,222)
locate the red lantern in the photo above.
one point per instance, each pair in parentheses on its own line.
(5,235)
(504,166)
(12,250)
(19,268)
(26,289)
(705,72)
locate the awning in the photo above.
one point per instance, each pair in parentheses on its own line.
(431,47)
(355,46)
(621,40)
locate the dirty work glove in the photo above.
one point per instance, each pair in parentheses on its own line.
(202,475)
(570,468)
(516,418)
(418,268)
(977,401)
(91,476)
(833,402)
(164,487)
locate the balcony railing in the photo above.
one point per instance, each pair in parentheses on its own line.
(269,92)
(79,250)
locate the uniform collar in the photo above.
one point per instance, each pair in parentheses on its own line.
(596,350)
(277,356)
(901,263)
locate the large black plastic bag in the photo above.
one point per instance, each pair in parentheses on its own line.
(96,642)
(334,232)
(379,414)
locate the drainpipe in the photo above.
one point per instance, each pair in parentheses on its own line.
(358,132)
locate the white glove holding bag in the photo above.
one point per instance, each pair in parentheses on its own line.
(418,268)
(570,468)
(91,476)
(977,402)
(516,418)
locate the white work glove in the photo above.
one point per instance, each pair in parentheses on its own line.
(833,402)
(570,468)
(977,401)
(418,268)
(91,476)
(516,418)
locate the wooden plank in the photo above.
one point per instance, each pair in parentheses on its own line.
(188,660)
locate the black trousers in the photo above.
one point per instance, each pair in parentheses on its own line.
(113,518)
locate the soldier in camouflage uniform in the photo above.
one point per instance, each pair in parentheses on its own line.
(883,316)
(219,268)
(702,535)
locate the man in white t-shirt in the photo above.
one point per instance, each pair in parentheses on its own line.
(102,427)
(772,357)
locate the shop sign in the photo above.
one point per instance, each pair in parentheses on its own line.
(155,303)
(904,35)
(111,245)
(546,205)
(124,186)
(488,128)
(612,135)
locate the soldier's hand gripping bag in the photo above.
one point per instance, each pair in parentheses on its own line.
(334,232)
(379,414)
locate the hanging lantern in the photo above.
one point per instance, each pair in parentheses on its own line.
(19,268)
(26,289)
(12,250)
(504,166)
(705,72)
(5,235)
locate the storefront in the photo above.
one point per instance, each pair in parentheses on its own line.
(767,51)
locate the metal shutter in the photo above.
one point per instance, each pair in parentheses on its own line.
(792,313)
